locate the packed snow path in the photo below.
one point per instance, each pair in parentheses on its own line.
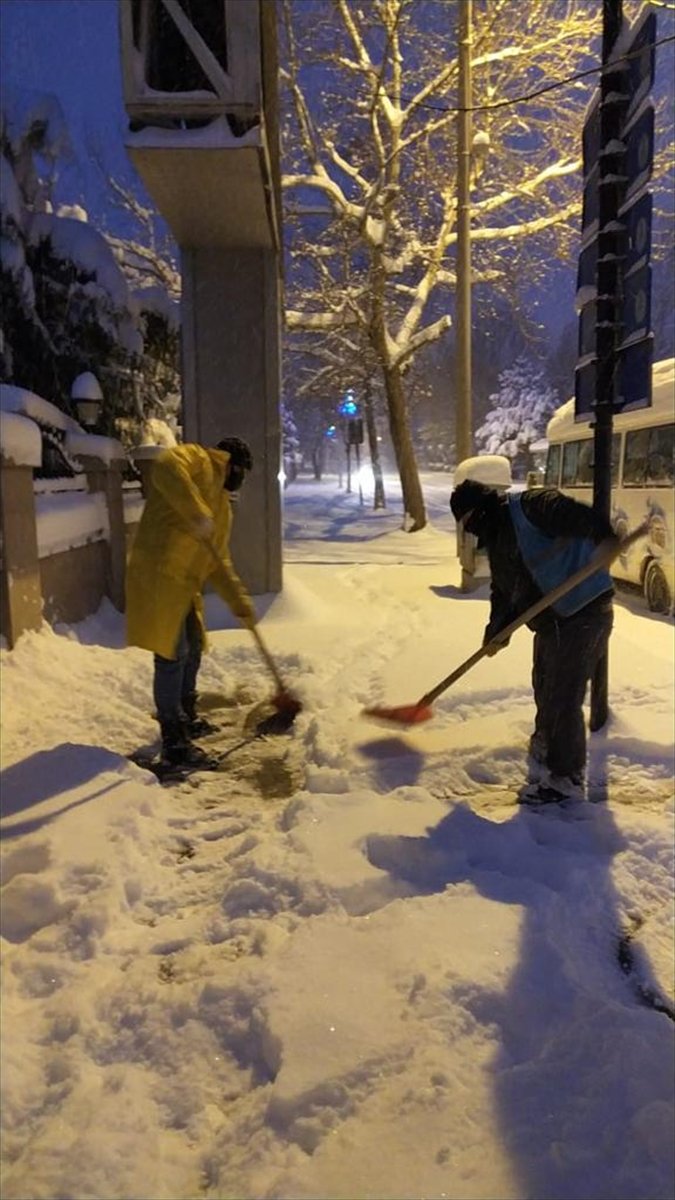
(386,981)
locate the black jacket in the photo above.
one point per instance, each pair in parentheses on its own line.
(513,589)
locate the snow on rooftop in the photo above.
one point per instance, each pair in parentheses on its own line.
(663,391)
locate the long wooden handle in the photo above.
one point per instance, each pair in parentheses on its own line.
(602,559)
(274,670)
(268,659)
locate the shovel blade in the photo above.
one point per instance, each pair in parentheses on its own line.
(277,722)
(287,705)
(403,714)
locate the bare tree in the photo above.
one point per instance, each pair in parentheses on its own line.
(370,139)
(339,356)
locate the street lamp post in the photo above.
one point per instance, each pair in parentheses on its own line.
(463,433)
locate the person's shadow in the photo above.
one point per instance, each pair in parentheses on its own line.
(69,770)
(583,1068)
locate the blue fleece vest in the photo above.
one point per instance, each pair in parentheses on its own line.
(552,560)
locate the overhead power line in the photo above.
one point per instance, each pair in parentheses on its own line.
(549,87)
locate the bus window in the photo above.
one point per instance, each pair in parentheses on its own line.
(552,476)
(585,464)
(635,458)
(660,456)
(616,451)
(577,468)
(648,460)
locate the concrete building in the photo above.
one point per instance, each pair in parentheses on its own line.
(200,89)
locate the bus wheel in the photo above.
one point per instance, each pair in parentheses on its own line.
(657,592)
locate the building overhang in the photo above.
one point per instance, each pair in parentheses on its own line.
(209,194)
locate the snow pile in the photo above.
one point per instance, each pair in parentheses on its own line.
(20,440)
(156,432)
(65,520)
(382,980)
(217,135)
(93,445)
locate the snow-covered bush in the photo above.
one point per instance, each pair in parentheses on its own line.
(67,300)
(290,443)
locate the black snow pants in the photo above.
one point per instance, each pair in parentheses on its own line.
(565,658)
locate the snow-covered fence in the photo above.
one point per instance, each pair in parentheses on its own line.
(64,539)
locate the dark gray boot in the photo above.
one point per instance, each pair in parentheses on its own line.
(195,725)
(179,751)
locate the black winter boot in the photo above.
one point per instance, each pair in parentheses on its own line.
(179,751)
(195,725)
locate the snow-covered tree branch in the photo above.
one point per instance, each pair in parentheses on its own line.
(371,128)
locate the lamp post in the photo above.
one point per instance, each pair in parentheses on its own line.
(463,435)
(472,153)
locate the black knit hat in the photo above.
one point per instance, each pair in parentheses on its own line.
(239,452)
(471,495)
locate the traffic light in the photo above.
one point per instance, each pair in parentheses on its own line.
(355,432)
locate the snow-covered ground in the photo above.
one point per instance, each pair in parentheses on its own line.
(390,983)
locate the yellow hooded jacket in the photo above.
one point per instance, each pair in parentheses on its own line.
(168,566)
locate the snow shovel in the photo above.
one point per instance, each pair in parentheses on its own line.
(413,714)
(286,704)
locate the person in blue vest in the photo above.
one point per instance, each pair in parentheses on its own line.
(534,541)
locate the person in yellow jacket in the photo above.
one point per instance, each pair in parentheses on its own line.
(187,513)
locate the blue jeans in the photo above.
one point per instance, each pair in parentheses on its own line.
(176,678)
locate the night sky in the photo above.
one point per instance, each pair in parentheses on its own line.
(71,49)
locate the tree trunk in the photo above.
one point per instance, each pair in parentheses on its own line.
(379,499)
(413,500)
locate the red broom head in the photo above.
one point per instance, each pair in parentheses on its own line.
(285,703)
(404,714)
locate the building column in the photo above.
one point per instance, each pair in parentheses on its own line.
(231,381)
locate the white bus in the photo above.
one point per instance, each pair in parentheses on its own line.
(643,445)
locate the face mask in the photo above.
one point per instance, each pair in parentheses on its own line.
(473,522)
(235,477)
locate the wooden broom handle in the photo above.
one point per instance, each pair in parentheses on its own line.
(600,559)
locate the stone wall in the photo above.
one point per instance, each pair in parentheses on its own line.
(68,584)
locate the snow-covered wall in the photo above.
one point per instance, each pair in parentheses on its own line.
(66,520)
(70,541)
